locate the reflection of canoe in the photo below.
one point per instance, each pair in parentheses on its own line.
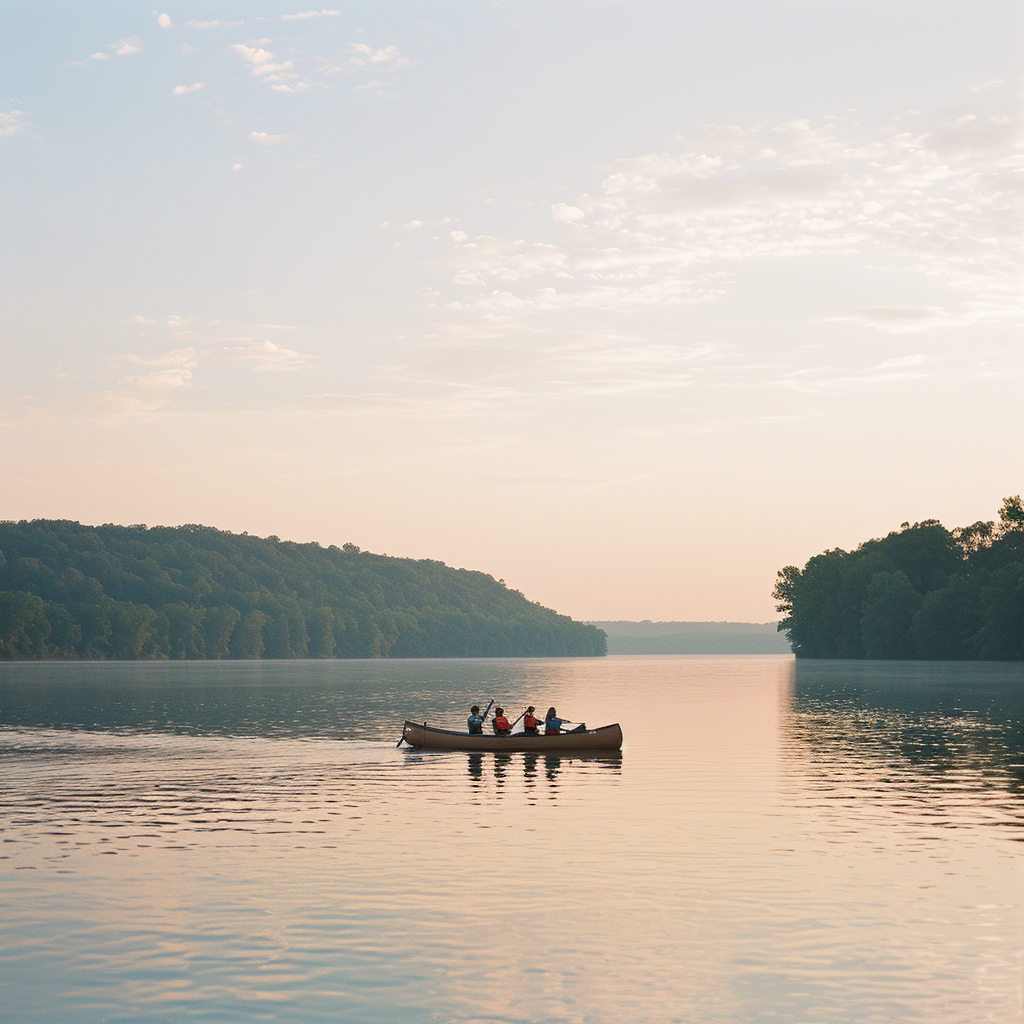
(608,737)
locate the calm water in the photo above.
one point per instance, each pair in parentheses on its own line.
(778,842)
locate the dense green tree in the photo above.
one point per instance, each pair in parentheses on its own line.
(24,627)
(185,637)
(193,591)
(218,625)
(320,627)
(923,592)
(1001,636)
(133,631)
(946,622)
(247,637)
(890,604)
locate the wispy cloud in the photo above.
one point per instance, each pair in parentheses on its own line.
(594,304)
(180,90)
(123,47)
(943,200)
(265,355)
(276,74)
(265,139)
(310,14)
(386,57)
(11,123)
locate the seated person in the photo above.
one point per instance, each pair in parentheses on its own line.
(530,722)
(500,723)
(475,721)
(552,723)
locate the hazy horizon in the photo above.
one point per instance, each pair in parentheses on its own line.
(629,306)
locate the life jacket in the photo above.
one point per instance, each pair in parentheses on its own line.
(530,723)
(501,724)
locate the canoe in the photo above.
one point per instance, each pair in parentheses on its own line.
(609,737)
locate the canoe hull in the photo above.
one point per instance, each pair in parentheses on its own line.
(424,736)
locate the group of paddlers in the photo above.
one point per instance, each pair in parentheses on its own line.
(532,726)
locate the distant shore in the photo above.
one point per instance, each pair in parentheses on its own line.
(647,637)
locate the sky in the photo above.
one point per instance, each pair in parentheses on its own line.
(629,304)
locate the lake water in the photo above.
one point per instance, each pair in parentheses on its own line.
(813,842)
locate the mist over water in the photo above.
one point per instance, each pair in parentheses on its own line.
(777,841)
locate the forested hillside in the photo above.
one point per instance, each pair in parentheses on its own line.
(128,592)
(924,592)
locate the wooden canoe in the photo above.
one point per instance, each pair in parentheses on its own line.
(608,737)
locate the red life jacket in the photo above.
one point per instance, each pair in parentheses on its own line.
(501,724)
(529,722)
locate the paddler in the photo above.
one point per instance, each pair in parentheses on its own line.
(530,723)
(500,723)
(552,723)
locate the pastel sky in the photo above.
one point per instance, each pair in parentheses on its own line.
(627,303)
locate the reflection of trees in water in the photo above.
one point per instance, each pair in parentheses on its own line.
(941,741)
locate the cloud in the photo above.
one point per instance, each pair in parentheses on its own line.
(100,56)
(123,47)
(181,357)
(942,201)
(145,393)
(266,356)
(253,55)
(180,90)
(274,74)
(626,303)
(164,21)
(263,139)
(310,14)
(11,123)
(896,318)
(388,56)
(414,225)
(910,319)
(567,214)
(139,319)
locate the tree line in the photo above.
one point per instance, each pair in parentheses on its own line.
(921,592)
(194,592)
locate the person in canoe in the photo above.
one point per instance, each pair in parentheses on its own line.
(475,721)
(530,722)
(552,723)
(500,724)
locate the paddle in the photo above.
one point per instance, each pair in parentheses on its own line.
(485,714)
(515,723)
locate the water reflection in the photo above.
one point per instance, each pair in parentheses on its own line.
(941,742)
(503,765)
